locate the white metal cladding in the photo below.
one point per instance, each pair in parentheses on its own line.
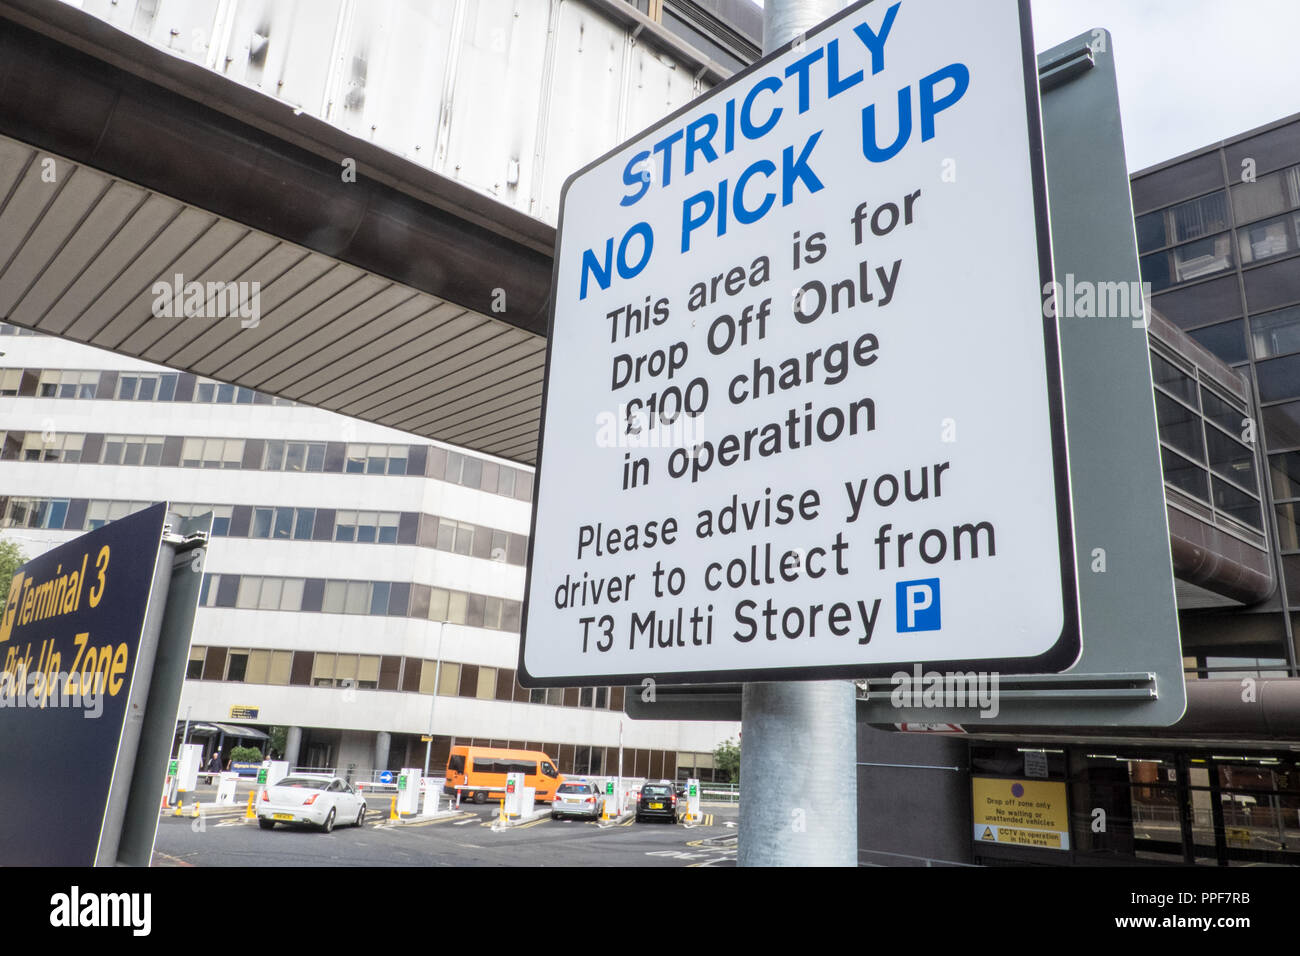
(80,252)
(505,96)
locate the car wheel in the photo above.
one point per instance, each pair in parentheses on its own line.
(361,816)
(480,797)
(265,824)
(328,825)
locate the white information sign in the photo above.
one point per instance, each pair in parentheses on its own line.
(803,404)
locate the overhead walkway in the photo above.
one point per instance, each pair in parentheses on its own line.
(400,295)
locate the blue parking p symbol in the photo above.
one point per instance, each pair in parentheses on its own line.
(917,605)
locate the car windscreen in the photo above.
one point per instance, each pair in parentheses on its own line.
(656,791)
(304,783)
(575,788)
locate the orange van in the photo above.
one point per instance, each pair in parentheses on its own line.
(479,773)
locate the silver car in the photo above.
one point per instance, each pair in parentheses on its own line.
(316,799)
(577,798)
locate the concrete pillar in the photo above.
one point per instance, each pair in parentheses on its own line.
(383,742)
(292,744)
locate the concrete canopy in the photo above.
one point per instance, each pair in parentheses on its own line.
(402,298)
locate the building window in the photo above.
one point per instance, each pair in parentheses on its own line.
(1226,340)
(455,536)
(291,594)
(322,672)
(1185,475)
(429,673)
(1275,333)
(1183,222)
(280,668)
(1195,260)
(220,518)
(146,387)
(212,452)
(236,665)
(1267,196)
(1269,239)
(294,456)
(1179,426)
(368,671)
(262,521)
(449,679)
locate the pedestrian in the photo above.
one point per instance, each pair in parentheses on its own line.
(214,762)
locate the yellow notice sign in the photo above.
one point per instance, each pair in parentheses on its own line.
(1021,812)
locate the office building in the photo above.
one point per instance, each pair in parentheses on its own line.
(1218,233)
(352,570)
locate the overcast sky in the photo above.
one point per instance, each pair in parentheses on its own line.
(1191,72)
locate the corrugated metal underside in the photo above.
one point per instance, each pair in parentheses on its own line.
(79,256)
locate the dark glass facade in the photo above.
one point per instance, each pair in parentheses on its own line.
(1218,235)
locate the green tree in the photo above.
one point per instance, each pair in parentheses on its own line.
(279,739)
(11,559)
(726,758)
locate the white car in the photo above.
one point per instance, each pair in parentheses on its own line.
(577,798)
(316,799)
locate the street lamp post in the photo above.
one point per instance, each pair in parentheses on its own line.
(433,698)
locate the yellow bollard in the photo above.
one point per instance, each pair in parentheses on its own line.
(392,812)
(180,802)
(249,814)
(195,811)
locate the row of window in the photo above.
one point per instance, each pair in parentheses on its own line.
(258,454)
(384,672)
(1196,239)
(373,598)
(1252,202)
(282,524)
(1204,444)
(128,387)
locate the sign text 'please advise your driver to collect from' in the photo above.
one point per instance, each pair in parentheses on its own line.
(803,406)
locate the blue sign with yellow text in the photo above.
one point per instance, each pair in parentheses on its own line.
(70,638)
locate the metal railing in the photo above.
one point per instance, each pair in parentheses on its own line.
(720,793)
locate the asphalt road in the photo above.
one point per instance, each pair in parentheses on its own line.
(225,839)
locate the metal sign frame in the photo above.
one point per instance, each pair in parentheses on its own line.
(1130,673)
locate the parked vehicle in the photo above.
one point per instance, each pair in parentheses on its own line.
(310,798)
(577,799)
(657,800)
(480,773)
